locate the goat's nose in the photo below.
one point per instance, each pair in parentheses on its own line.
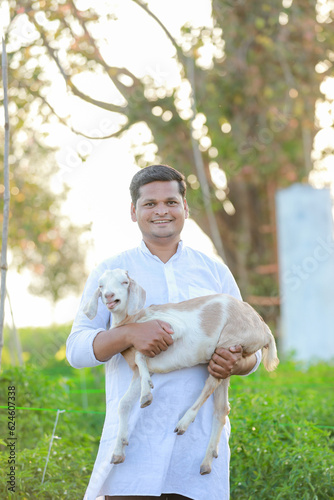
(109,295)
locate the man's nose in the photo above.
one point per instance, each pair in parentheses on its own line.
(161,209)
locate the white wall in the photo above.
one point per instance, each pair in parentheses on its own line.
(306,259)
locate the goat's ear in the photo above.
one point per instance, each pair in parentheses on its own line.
(137,297)
(90,309)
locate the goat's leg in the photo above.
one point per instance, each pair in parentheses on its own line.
(145,380)
(124,408)
(221,410)
(210,385)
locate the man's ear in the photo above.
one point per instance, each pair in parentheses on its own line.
(186,208)
(133,213)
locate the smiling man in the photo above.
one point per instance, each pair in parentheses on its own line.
(159,208)
(159,463)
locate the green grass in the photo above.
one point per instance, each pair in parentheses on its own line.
(282,426)
(282,434)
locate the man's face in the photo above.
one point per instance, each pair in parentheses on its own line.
(160,212)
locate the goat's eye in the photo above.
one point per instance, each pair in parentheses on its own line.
(125,283)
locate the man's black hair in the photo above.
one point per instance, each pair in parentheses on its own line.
(155,173)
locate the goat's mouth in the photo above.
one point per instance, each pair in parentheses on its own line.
(112,304)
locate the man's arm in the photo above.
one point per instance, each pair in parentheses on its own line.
(150,338)
(227,362)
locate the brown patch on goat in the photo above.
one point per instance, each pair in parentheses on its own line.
(245,315)
(132,319)
(211,315)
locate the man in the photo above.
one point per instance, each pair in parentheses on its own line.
(159,464)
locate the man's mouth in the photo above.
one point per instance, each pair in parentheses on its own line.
(112,304)
(162,221)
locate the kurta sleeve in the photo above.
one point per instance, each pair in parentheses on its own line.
(79,345)
(228,283)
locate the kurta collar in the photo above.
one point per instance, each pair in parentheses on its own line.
(146,251)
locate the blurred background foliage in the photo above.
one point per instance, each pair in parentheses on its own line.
(41,237)
(245,99)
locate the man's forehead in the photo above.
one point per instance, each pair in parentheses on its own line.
(160,189)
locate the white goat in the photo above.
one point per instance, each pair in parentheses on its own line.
(216,321)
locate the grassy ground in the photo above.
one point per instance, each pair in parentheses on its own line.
(282,426)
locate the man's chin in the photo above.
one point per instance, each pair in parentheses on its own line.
(162,235)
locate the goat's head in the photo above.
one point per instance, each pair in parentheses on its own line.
(121,294)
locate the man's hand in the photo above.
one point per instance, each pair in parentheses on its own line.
(151,337)
(225,362)
(232,361)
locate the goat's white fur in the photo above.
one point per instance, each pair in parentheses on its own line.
(216,321)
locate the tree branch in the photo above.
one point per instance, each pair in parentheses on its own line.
(179,52)
(199,164)
(74,89)
(112,72)
(75,131)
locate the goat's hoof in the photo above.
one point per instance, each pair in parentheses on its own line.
(117,459)
(205,469)
(179,431)
(146,401)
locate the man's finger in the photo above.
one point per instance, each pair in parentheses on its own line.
(236,348)
(166,326)
(165,343)
(169,340)
(217,371)
(221,353)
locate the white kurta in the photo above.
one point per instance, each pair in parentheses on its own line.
(157,460)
